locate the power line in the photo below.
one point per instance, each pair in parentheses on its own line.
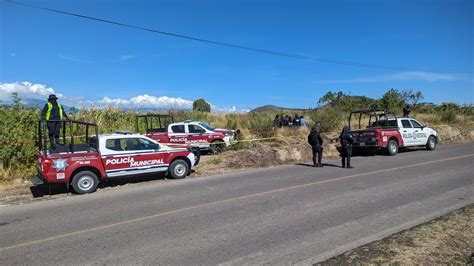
(230,45)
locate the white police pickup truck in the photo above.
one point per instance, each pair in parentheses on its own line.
(193,133)
(100,157)
(386,131)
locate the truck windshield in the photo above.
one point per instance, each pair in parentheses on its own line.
(207,126)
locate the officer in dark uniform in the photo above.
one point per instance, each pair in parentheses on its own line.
(316,142)
(406,111)
(53,111)
(346,141)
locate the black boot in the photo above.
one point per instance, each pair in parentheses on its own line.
(320,158)
(343,160)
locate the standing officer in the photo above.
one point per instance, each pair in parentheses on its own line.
(316,142)
(346,141)
(406,110)
(53,111)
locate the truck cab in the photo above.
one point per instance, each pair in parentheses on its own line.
(82,159)
(380,129)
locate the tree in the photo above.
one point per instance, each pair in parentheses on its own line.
(393,101)
(201,105)
(16,101)
(412,98)
(327,98)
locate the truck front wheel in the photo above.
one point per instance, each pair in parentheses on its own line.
(392,147)
(178,169)
(84,182)
(431,144)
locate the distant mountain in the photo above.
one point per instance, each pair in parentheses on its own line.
(275,109)
(35,103)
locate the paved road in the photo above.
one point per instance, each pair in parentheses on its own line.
(280,215)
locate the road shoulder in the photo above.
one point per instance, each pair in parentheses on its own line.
(445,240)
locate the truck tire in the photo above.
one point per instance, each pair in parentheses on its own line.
(217,146)
(431,143)
(197,154)
(178,169)
(84,182)
(392,147)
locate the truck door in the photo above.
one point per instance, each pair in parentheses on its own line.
(420,135)
(132,156)
(197,136)
(177,134)
(407,131)
(115,158)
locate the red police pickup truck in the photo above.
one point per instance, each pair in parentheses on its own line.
(83,160)
(385,131)
(163,129)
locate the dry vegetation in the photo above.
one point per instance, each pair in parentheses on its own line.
(448,240)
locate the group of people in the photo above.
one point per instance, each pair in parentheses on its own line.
(316,142)
(288,121)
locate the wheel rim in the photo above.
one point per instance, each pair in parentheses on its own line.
(393,148)
(432,143)
(180,169)
(85,183)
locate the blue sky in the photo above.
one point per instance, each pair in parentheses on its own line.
(87,60)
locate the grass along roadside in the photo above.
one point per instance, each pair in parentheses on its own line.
(446,240)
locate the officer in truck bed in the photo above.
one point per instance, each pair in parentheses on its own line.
(52,111)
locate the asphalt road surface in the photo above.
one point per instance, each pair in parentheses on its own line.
(281,215)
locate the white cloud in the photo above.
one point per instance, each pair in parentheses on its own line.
(26,90)
(127,57)
(147,101)
(401,76)
(227,109)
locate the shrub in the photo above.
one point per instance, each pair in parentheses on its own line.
(448,116)
(330,119)
(261,124)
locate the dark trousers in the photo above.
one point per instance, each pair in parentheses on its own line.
(317,154)
(53,132)
(346,156)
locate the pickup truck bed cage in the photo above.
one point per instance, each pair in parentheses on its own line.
(377,119)
(69,129)
(154,123)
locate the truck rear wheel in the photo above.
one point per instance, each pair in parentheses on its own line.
(178,169)
(392,147)
(431,143)
(84,182)
(217,146)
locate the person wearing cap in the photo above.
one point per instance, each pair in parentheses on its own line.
(52,112)
(316,142)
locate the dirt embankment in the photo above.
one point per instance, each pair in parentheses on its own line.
(291,147)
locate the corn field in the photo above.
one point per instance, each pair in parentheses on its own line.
(17,133)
